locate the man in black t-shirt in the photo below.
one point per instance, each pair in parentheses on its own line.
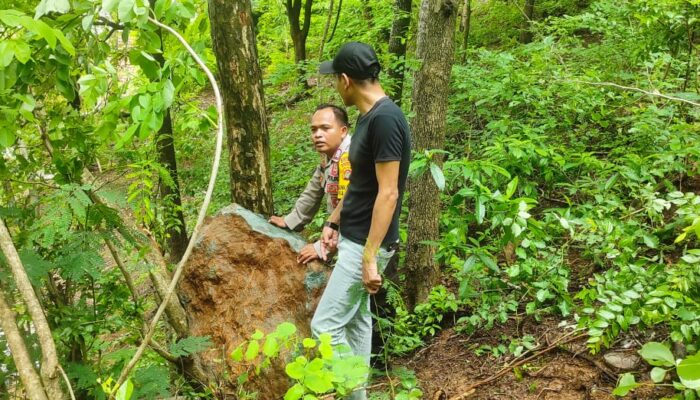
(368,216)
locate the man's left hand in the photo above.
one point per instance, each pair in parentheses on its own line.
(370,275)
(277,221)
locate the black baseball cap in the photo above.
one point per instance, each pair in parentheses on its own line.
(356,60)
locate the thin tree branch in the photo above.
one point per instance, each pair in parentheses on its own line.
(48,185)
(202,212)
(648,93)
(325,30)
(162,352)
(65,378)
(122,268)
(27,374)
(337,18)
(49,365)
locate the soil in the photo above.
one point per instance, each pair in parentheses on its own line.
(448,367)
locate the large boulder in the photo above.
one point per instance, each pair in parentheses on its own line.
(242,276)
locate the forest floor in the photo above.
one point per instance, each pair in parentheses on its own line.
(559,367)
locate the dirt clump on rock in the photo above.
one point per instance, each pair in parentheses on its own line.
(239,280)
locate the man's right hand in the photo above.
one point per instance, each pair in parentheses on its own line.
(329,242)
(307,254)
(277,221)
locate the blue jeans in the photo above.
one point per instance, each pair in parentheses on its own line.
(343,310)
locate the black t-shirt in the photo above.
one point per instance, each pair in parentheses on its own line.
(381,135)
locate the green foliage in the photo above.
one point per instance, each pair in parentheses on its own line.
(314,365)
(406,330)
(151,382)
(190,345)
(559,196)
(658,355)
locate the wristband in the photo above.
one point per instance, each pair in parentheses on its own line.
(331,225)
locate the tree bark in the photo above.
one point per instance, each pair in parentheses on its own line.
(435,50)
(526,32)
(244,104)
(299,32)
(466,27)
(30,378)
(397,47)
(325,30)
(177,235)
(367,13)
(50,374)
(165,143)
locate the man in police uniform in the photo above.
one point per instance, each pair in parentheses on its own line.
(329,134)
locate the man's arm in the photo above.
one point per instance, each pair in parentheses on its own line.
(329,236)
(306,206)
(382,214)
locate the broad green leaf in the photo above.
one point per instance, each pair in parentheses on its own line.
(257,335)
(286,329)
(308,343)
(11,18)
(326,351)
(658,374)
(125,11)
(271,346)
(516,229)
(512,186)
(651,241)
(126,138)
(295,370)
(295,392)
(689,371)
(67,45)
(657,354)
(125,390)
(489,262)
(253,350)
(607,315)
(48,6)
(319,382)
(41,29)
(237,355)
(7,53)
(168,93)
(109,5)
(480,210)
(22,50)
(438,176)
(625,385)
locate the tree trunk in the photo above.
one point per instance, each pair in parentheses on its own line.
(526,32)
(397,47)
(367,13)
(23,362)
(165,143)
(177,235)
(244,104)
(435,50)
(50,376)
(466,27)
(325,30)
(299,31)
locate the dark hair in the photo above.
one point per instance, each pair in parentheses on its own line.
(340,114)
(363,81)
